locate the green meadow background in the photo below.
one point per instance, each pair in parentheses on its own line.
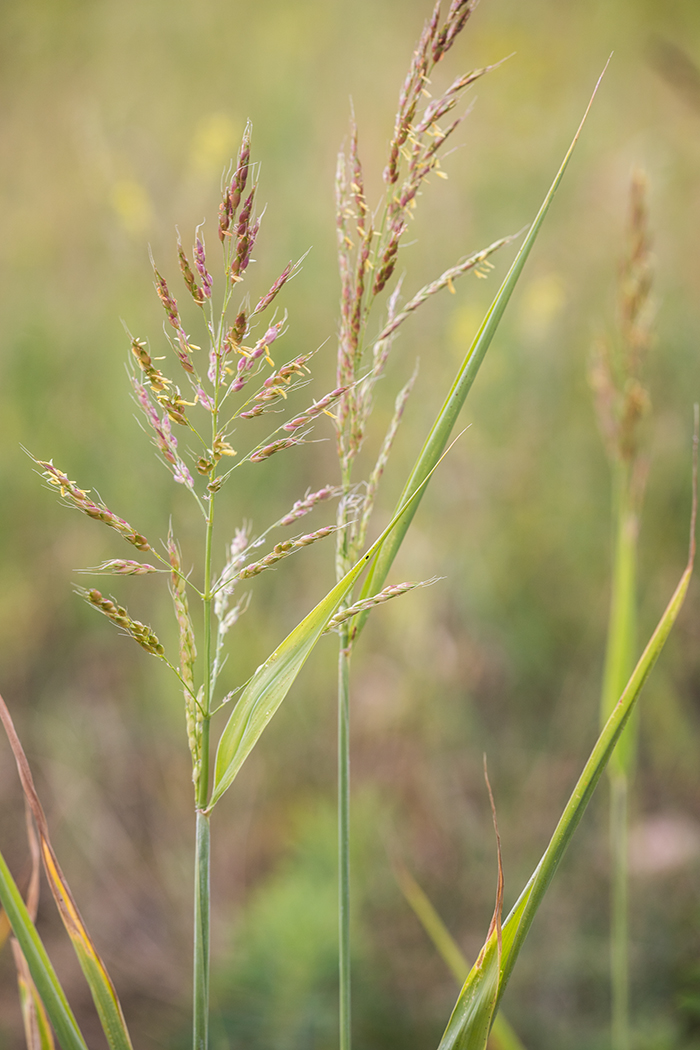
(116,122)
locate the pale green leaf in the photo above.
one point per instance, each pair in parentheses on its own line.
(273,679)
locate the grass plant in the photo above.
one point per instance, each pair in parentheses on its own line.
(233,391)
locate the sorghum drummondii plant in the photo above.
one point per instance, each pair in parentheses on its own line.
(192,419)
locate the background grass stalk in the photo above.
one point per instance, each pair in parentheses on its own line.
(619,924)
(622,402)
(619,663)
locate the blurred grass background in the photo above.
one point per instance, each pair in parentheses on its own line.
(115,123)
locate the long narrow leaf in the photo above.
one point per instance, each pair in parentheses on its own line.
(40,968)
(273,679)
(37,1029)
(101,987)
(442,428)
(478,986)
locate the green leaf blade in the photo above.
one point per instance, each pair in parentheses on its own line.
(271,682)
(476,992)
(40,967)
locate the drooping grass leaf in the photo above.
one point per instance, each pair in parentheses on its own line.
(39,964)
(465,1028)
(273,679)
(101,987)
(447,417)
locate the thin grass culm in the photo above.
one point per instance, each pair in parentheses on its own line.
(369,242)
(221,394)
(622,402)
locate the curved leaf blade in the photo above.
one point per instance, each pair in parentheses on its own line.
(272,681)
(103,991)
(477,989)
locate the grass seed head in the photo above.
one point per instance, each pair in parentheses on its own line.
(200,262)
(187,651)
(307,504)
(315,410)
(164,439)
(270,295)
(80,499)
(190,280)
(140,632)
(283,550)
(120,567)
(272,448)
(157,380)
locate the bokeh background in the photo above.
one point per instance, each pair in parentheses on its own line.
(116,121)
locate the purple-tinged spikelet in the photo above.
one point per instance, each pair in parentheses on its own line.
(233,192)
(157,380)
(249,358)
(270,295)
(120,567)
(79,498)
(169,303)
(175,406)
(283,550)
(272,448)
(315,410)
(385,595)
(188,655)
(140,632)
(164,439)
(457,16)
(388,260)
(200,262)
(170,306)
(190,280)
(307,504)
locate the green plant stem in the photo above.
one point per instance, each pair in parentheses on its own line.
(203,780)
(619,662)
(201,933)
(202,900)
(344,838)
(619,656)
(619,932)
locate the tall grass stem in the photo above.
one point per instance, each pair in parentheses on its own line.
(619,932)
(201,933)
(344,978)
(619,662)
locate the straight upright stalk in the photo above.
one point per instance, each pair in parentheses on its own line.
(618,666)
(619,932)
(202,899)
(201,934)
(344,837)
